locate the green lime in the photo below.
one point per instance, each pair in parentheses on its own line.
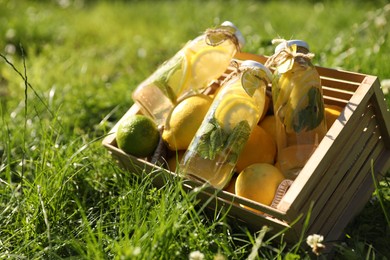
(137,135)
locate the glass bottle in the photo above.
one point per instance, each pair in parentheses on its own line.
(236,109)
(298,105)
(200,61)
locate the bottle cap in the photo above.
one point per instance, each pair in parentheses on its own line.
(299,43)
(237,33)
(257,65)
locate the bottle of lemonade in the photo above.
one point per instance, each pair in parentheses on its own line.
(198,63)
(236,109)
(298,105)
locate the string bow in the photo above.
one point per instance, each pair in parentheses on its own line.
(283,60)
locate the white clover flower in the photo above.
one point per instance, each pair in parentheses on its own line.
(196,255)
(385,86)
(380,21)
(137,251)
(219,256)
(315,242)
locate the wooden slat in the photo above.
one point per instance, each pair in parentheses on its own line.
(352,204)
(341,74)
(335,101)
(252,204)
(236,200)
(337,94)
(349,179)
(214,202)
(382,165)
(335,91)
(381,110)
(339,85)
(245,215)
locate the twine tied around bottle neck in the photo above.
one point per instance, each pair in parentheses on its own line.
(216,36)
(237,70)
(285,54)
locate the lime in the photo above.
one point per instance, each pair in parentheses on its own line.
(253,80)
(137,135)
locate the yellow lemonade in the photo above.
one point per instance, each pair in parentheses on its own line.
(298,105)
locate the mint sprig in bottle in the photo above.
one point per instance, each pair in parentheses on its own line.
(191,69)
(236,109)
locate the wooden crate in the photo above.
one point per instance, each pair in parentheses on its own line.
(336,182)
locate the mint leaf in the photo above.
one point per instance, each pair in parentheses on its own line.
(309,117)
(211,141)
(164,73)
(215,140)
(237,140)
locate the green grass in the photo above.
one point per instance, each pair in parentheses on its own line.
(61,194)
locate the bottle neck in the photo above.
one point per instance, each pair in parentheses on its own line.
(301,55)
(217,36)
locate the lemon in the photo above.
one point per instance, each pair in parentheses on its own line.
(259,182)
(267,103)
(179,78)
(184,120)
(235,89)
(332,112)
(207,63)
(137,135)
(260,148)
(231,186)
(174,160)
(268,123)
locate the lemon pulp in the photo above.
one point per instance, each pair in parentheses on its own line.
(178,80)
(207,63)
(238,106)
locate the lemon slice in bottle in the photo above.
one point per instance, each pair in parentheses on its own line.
(179,78)
(206,64)
(233,110)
